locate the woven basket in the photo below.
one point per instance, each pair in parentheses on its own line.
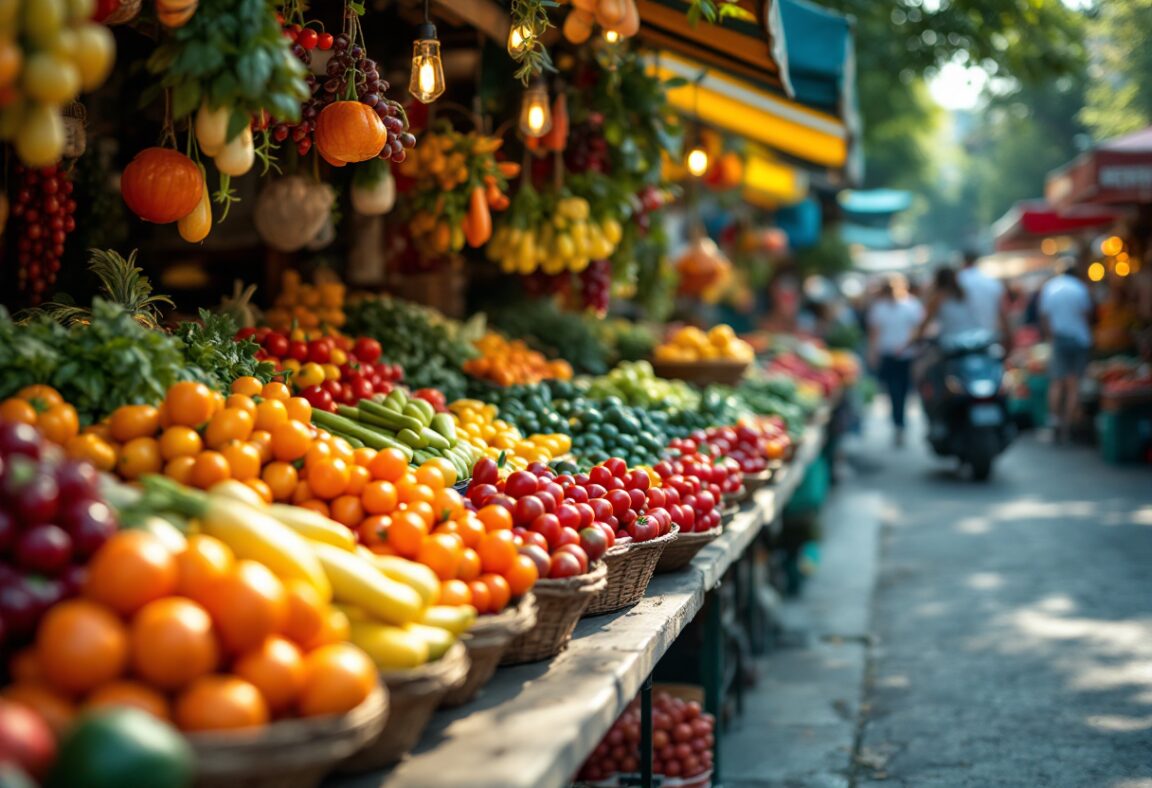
(559,605)
(754,482)
(288,754)
(729,514)
(702,373)
(414,695)
(680,552)
(486,642)
(736,498)
(630,567)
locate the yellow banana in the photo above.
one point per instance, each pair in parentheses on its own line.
(391,648)
(456,620)
(411,574)
(356,581)
(438,640)
(313,526)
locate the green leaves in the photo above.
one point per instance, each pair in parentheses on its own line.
(209,346)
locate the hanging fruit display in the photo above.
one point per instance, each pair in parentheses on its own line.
(42,217)
(455,184)
(50,52)
(161,185)
(373,189)
(618,18)
(346,115)
(551,231)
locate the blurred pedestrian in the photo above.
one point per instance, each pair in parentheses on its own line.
(950,307)
(987,297)
(892,323)
(1066,317)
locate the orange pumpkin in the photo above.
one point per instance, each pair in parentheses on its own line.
(175,13)
(349,131)
(161,185)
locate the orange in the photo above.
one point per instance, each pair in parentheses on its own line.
(132,694)
(455,593)
(241,402)
(290,441)
(363,456)
(498,589)
(327,477)
(93,449)
(276,390)
(299,409)
(358,478)
(138,457)
(220,702)
(430,475)
(307,612)
(347,510)
(211,467)
(276,668)
(388,465)
(442,554)
(180,441)
(243,460)
(337,679)
(406,533)
(495,518)
(59,423)
(189,404)
(205,561)
(471,530)
(129,571)
(262,489)
(133,421)
(42,397)
(337,629)
(180,469)
(481,596)
(229,424)
(56,709)
(281,478)
(447,504)
(379,497)
(270,414)
(262,440)
(247,606)
(18,410)
(411,493)
(247,385)
(24,666)
(469,568)
(450,475)
(522,575)
(81,645)
(497,551)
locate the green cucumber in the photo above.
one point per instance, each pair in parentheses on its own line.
(414,439)
(435,439)
(424,408)
(443,424)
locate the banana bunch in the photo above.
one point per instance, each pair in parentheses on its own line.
(567,239)
(389,601)
(50,51)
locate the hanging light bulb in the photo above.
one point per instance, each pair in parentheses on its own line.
(697,161)
(611,36)
(520,39)
(427,81)
(535,113)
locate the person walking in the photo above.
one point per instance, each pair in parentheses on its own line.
(892,324)
(987,298)
(1066,318)
(950,307)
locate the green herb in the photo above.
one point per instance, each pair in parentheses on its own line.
(716,11)
(210,347)
(533,57)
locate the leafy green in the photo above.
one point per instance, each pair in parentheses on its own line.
(210,347)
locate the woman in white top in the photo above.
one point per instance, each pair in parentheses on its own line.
(949,307)
(892,322)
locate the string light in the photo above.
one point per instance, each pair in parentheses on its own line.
(1096,272)
(520,39)
(535,112)
(1112,245)
(427,81)
(1122,268)
(697,161)
(611,36)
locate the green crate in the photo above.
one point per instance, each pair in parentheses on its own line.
(1038,398)
(1124,435)
(813,490)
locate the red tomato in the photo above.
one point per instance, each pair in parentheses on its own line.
(298,349)
(318,398)
(276,344)
(320,351)
(594,543)
(367,349)
(539,556)
(564,565)
(576,551)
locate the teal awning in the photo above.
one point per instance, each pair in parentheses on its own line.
(820,55)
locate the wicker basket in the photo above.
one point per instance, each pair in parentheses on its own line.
(559,605)
(486,642)
(288,754)
(702,373)
(680,552)
(414,695)
(630,567)
(753,482)
(729,514)
(736,498)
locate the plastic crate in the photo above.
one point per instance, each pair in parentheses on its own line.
(813,490)
(1124,435)
(1038,398)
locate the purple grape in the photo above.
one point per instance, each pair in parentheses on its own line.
(45,548)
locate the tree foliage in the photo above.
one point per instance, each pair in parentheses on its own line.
(1119,99)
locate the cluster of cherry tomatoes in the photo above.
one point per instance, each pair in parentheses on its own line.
(694,486)
(752,444)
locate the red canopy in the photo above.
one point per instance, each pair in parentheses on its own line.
(1117,172)
(1031,220)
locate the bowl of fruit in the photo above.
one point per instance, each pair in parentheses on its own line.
(703,358)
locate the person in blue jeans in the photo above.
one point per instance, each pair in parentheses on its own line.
(1066,310)
(892,324)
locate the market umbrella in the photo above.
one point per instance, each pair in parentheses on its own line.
(1115,172)
(1030,221)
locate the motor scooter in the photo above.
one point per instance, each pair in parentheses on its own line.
(964,399)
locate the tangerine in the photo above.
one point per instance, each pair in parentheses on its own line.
(129,571)
(220,702)
(81,645)
(172,643)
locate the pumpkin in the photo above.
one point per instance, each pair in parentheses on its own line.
(291,211)
(350,131)
(175,13)
(161,185)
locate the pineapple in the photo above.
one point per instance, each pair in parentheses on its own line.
(121,282)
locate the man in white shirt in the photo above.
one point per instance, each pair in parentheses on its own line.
(1066,315)
(986,298)
(892,323)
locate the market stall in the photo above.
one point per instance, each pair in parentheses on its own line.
(347,432)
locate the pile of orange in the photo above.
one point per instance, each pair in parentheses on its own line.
(43,407)
(200,437)
(306,305)
(415,513)
(196,637)
(509,363)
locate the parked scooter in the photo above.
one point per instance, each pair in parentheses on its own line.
(964,399)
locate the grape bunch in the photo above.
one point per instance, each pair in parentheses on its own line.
(596,285)
(538,284)
(349,62)
(587,149)
(42,211)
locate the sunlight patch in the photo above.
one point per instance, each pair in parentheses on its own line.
(985,581)
(1117,724)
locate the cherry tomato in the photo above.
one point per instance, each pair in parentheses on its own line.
(320,351)
(367,350)
(324,41)
(276,344)
(308,38)
(318,398)
(298,349)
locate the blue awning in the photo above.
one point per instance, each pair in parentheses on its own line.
(875,201)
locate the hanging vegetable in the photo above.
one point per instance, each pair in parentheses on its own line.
(373,189)
(557,137)
(161,185)
(348,132)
